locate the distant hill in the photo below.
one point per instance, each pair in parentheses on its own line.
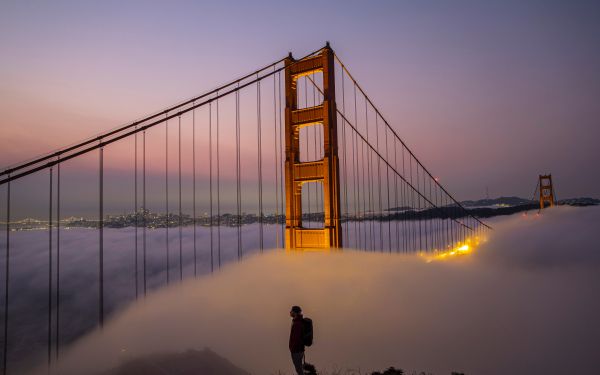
(517,201)
(580,201)
(486,207)
(498,202)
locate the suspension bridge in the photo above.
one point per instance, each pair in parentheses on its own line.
(294,155)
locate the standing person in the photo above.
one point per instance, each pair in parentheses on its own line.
(297,339)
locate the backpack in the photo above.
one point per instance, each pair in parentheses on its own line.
(307,331)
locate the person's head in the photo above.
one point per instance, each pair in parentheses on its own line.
(295,311)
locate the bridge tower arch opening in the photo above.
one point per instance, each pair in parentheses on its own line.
(325,170)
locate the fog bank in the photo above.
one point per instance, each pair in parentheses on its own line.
(524,302)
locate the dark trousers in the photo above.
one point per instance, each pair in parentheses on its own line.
(297,360)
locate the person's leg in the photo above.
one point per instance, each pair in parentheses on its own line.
(297,360)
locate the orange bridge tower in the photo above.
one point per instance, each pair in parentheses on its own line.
(546,191)
(324,171)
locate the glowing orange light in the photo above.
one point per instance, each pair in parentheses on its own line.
(460,249)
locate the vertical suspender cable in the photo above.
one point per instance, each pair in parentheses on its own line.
(444,221)
(387,184)
(194,186)
(357,171)
(218,191)
(404,197)
(424,214)
(167,219)
(316,156)
(369,181)
(396,211)
(282,160)
(276,156)
(429,218)
(345,169)
(434,218)
(260,195)
(380,213)
(210,163)
(354,169)
(238,173)
(180,211)
(412,208)
(50,271)
(6,279)
(365,193)
(306,157)
(368,190)
(419,208)
(101,230)
(135,210)
(144,210)
(57,257)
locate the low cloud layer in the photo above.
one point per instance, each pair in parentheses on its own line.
(525,302)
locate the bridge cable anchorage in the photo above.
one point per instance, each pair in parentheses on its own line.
(194,188)
(180,210)
(117,134)
(6,280)
(50,198)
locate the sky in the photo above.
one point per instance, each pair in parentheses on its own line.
(523,302)
(487,94)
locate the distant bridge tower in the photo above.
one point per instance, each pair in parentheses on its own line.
(546,191)
(325,171)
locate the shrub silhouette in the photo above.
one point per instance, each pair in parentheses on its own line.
(309,369)
(389,371)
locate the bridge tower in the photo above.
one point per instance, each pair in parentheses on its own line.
(546,191)
(326,170)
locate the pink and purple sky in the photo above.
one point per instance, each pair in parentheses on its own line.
(488,94)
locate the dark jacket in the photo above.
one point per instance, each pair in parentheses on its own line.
(296,335)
